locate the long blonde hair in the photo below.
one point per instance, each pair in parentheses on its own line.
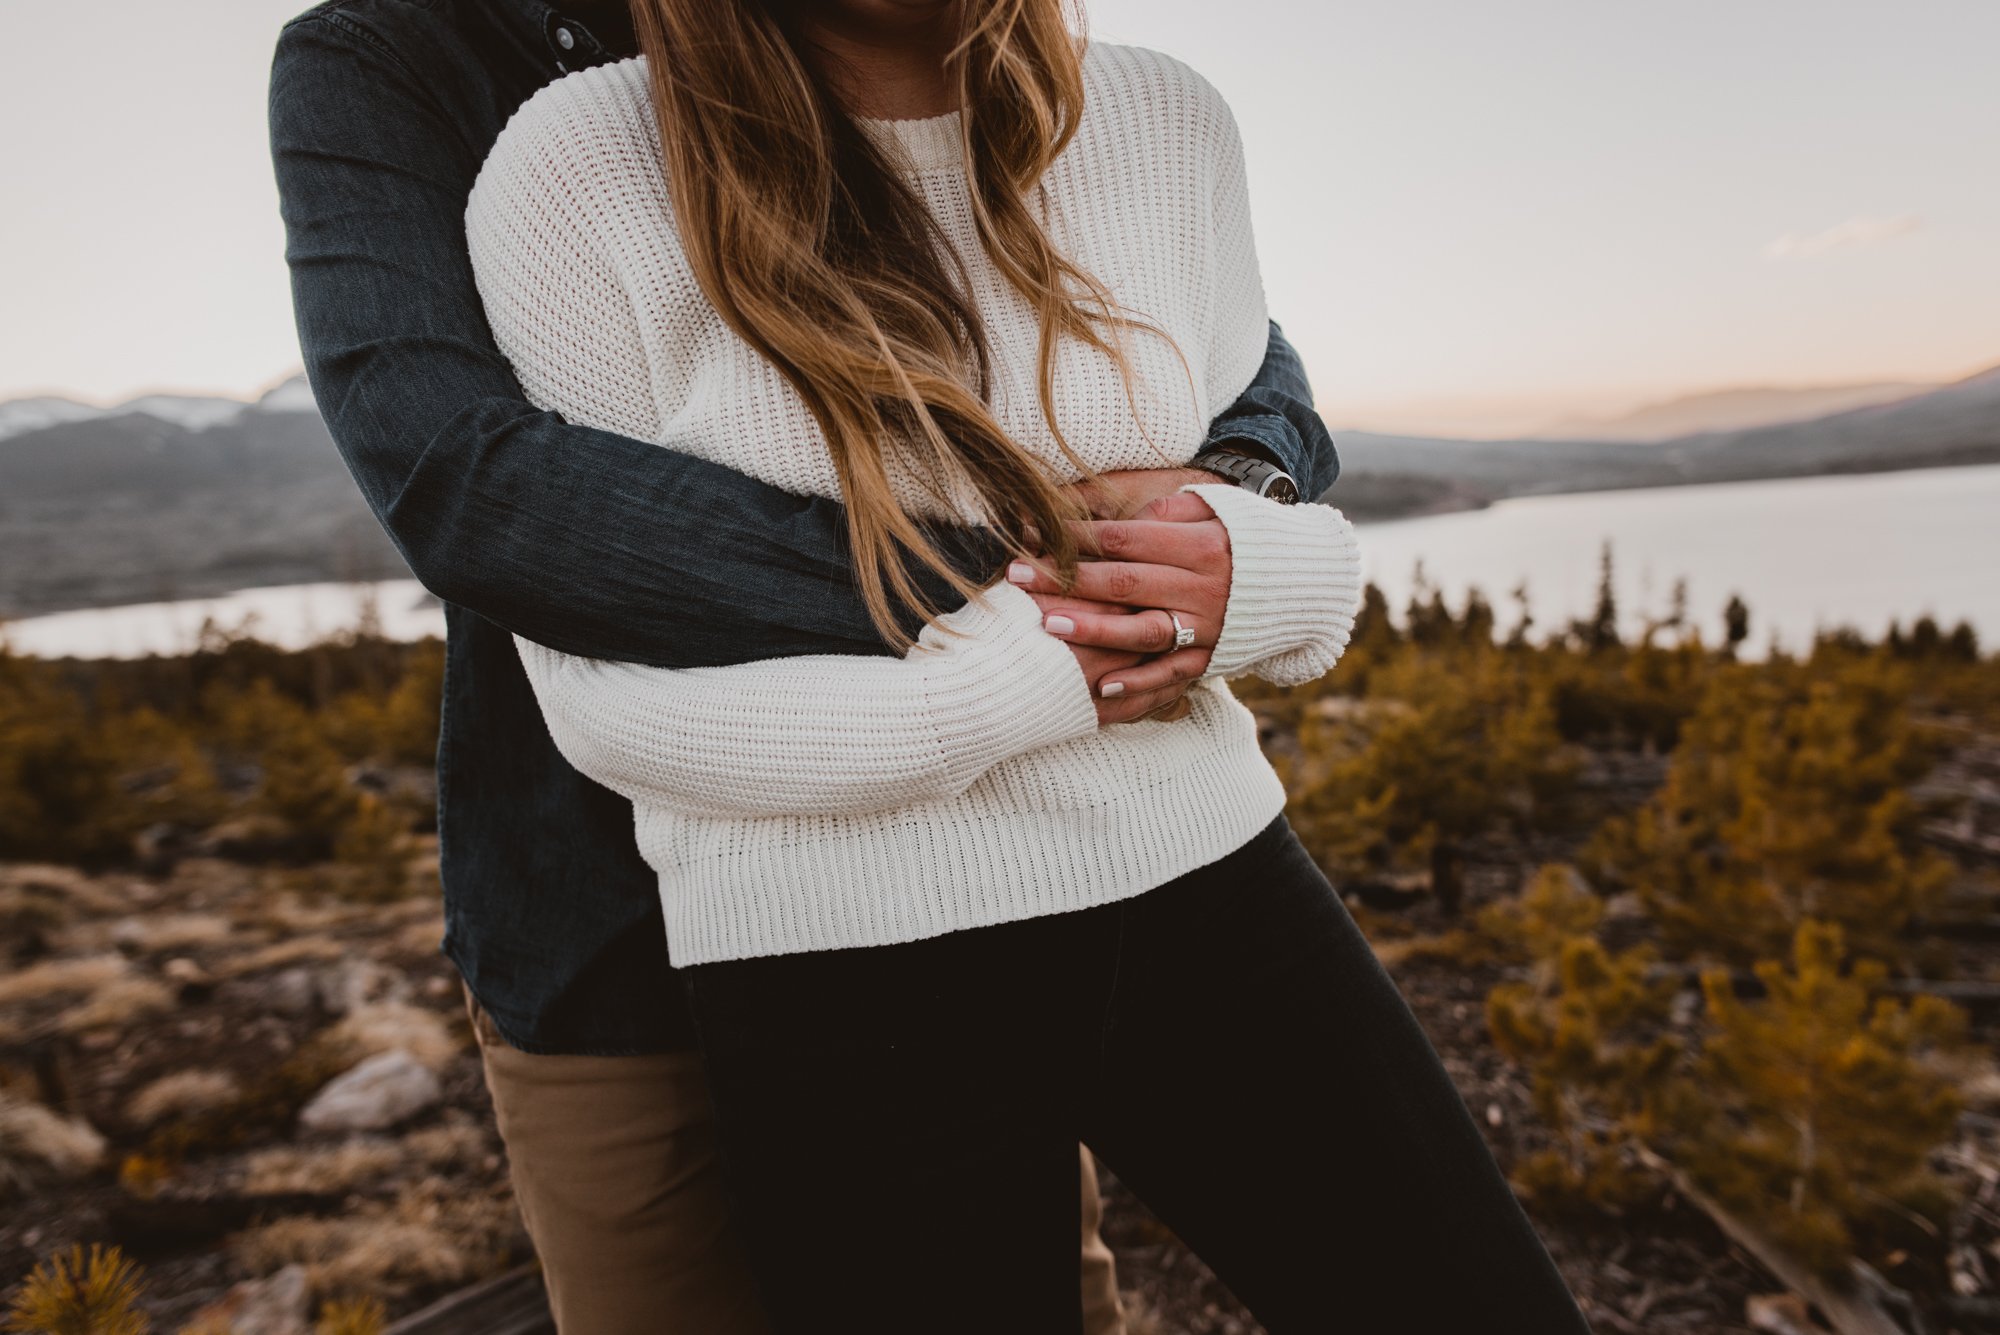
(820,256)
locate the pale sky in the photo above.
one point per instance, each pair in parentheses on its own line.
(1472,215)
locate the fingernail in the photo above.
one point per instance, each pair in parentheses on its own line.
(1111,688)
(1060,625)
(1020,572)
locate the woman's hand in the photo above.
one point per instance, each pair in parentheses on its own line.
(1125,703)
(1173,556)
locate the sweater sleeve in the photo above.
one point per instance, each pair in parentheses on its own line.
(1295,583)
(830,734)
(1295,586)
(1238,320)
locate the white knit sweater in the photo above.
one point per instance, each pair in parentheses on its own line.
(825,802)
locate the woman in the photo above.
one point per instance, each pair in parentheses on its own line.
(939,259)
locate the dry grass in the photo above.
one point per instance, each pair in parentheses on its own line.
(330,1171)
(54,978)
(386,1026)
(36,1142)
(354,1316)
(293,914)
(432,1234)
(457,1143)
(182,1094)
(366,1160)
(118,1003)
(72,888)
(298,950)
(420,937)
(1140,1318)
(172,931)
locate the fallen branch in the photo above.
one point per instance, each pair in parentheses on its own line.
(511,1304)
(1855,1312)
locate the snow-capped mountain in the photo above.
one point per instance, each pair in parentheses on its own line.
(194,412)
(22,415)
(290,396)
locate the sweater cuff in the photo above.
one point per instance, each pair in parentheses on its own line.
(1295,580)
(1003,685)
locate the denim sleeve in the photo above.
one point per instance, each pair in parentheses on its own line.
(589,542)
(1276,415)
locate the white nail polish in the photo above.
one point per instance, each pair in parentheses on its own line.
(1020,572)
(1060,626)
(1111,688)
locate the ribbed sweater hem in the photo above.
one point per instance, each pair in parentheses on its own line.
(921,878)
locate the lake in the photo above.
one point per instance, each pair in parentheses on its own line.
(1804,553)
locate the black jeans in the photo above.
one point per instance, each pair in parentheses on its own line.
(899,1124)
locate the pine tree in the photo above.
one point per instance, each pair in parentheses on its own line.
(1587,1026)
(1735,623)
(302,780)
(1454,743)
(1813,1110)
(1600,631)
(1785,801)
(1532,927)
(78,1293)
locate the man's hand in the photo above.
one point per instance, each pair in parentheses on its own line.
(1175,557)
(1124,492)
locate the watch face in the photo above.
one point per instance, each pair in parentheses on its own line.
(1283,490)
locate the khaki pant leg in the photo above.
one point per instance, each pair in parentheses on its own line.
(614,1166)
(1102,1314)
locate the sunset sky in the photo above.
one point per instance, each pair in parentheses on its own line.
(1474,217)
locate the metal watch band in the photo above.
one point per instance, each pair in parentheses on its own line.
(1254,475)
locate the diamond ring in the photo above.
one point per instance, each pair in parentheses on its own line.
(1183,636)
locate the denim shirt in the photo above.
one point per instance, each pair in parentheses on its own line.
(381,112)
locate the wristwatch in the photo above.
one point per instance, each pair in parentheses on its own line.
(1260,476)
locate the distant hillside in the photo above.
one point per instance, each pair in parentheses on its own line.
(182,497)
(1732,410)
(1956,424)
(126,507)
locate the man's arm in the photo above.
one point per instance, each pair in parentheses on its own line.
(586,541)
(1275,418)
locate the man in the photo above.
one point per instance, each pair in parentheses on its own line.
(594,544)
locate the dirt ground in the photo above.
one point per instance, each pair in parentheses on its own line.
(173,1025)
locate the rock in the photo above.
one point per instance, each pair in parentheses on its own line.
(249,839)
(1780,1314)
(275,1305)
(382,1091)
(1626,907)
(389,1026)
(356,982)
(287,992)
(159,846)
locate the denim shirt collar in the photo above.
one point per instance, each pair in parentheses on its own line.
(567,42)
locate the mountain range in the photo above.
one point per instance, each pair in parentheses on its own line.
(175,496)
(1958,423)
(1732,410)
